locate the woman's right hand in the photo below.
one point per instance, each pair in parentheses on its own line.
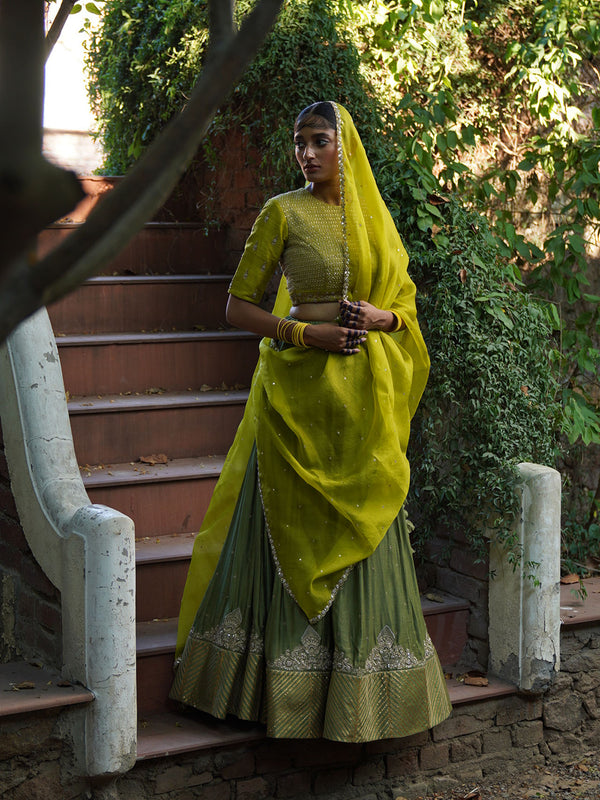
(334,338)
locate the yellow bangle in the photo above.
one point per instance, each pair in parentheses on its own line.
(399,322)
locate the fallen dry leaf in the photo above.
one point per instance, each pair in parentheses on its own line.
(571,578)
(17,687)
(475,679)
(463,275)
(155,458)
(436,598)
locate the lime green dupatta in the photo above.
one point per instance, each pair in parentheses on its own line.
(331,431)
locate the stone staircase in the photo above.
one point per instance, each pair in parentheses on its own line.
(156,386)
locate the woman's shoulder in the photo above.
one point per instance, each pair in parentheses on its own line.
(288,200)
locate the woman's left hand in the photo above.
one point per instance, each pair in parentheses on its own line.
(362,315)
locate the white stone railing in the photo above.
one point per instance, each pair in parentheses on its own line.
(87,551)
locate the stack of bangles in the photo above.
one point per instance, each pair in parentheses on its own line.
(292,332)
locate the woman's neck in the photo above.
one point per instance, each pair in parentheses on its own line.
(326,191)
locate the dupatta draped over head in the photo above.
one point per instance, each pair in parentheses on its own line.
(331,431)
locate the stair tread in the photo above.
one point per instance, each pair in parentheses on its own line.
(155,225)
(575,610)
(156,636)
(153,399)
(157,549)
(162,278)
(104,475)
(44,692)
(143,337)
(169,733)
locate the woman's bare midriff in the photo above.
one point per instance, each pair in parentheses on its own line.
(316,312)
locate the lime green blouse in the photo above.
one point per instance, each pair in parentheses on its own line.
(304,235)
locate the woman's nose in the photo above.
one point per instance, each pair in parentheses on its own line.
(308,152)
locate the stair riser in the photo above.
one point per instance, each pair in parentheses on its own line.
(155,251)
(154,678)
(116,437)
(159,509)
(102,308)
(173,366)
(449,634)
(155,673)
(159,588)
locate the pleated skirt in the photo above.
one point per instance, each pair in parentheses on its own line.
(366,671)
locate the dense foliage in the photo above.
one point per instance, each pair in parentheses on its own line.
(429,83)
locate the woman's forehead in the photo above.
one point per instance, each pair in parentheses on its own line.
(308,131)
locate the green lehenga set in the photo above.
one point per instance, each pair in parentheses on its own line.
(301,608)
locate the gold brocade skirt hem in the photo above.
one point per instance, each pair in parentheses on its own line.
(366,671)
(311,704)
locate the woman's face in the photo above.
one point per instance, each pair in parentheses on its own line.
(316,153)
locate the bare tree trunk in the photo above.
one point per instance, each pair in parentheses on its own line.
(33,192)
(142,192)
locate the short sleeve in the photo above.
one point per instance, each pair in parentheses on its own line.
(261,255)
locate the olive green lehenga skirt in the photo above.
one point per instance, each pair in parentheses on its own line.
(366,671)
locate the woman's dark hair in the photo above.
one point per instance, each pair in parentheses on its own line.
(314,116)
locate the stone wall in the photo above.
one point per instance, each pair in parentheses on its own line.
(449,564)
(572,706)
(30,612)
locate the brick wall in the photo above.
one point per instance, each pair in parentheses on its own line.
(29,604)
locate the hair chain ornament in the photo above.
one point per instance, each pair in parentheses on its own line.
(342,178)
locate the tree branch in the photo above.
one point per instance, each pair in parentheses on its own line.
(142,192)
(57,25)
(221,26)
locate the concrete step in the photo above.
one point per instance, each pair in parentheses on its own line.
(26,688)
(149,303)
(156,644)
(164,499)
(120,428)
(577,609)
(158,248)
(102,364)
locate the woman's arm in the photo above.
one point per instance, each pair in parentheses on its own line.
(330,337)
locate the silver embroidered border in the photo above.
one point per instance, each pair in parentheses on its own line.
(386,656)
(342,177)
(309,656)
(229,635)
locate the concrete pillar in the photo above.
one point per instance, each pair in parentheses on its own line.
(524,599)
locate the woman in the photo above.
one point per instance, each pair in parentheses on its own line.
(312,621)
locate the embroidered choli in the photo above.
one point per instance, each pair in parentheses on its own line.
(302,233)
